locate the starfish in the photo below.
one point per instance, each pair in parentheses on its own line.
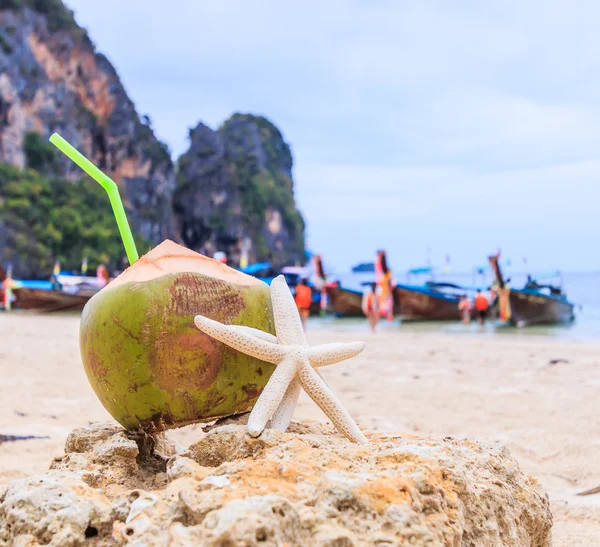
(296,362)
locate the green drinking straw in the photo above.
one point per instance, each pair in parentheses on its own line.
(111,189)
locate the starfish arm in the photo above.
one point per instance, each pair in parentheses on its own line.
(272,395)
(285,313)
(324,381)
(240,340)
(314,385)
(260,334)
(328,354)
(283,415)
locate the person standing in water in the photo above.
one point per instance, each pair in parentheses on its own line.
(370,306)
(319,281)
(481,306)
(383,278)
(464,306)
(303,300)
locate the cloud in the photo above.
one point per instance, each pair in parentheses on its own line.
(455,125)
(542,213)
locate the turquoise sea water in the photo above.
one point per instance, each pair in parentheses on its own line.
(582,289)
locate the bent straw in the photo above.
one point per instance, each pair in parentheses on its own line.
(111,189)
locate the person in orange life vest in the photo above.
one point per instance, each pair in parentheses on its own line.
(370,306)
(102,276)
(481,307)
(464,307)
(6,297)
(303,300)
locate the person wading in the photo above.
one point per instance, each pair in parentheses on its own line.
(303,300)
(370,306)
(383,279)
(464,306)
(481,307)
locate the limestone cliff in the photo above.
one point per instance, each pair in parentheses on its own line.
(52,79)
(235,187)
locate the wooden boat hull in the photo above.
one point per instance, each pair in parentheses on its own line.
(49,301)
(531,308)
(415,304)
(344,302)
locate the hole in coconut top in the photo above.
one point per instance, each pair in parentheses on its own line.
(91,532)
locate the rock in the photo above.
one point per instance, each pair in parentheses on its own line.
(307,486)
(230,442)
(52,79)
(235,188)
(56,509)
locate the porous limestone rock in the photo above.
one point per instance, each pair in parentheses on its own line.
(308,486)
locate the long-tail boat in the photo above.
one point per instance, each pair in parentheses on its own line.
(429,301)
(67,293)
(345,301)
(342,301)
(27,298)
(535,303)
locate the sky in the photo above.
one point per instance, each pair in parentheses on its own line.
(429,129)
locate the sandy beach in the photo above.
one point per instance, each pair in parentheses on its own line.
(538,396)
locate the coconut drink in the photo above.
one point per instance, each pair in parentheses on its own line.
(147,363)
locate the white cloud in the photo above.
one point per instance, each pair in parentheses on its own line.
(454,125)
(546,214)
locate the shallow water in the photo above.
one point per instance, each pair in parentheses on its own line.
(582,289)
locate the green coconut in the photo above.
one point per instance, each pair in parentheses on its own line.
(149,365)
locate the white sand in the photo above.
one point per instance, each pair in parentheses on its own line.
(498,389)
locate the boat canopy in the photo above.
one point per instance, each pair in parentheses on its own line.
(364,267)
(423,270)
(255,268)
(294,270)
(34,284)
(71,280)
(466,288)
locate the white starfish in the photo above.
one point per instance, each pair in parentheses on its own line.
(295,361)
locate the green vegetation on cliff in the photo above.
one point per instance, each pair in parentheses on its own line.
(269,186)
(39,153)
(261,189)
(49,219)
(234,186)
(58,16)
